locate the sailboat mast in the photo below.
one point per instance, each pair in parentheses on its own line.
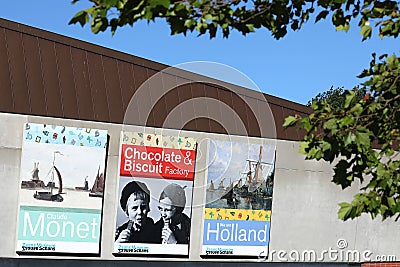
(96,182)
(249,173)
(258,164)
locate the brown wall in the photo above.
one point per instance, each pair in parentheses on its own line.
(46,74)
(381,264)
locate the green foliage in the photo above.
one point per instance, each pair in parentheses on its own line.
(346,134)
(335,97)
(209,16)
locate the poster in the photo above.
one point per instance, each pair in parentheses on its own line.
(61,189)
(154,194)
(238,204)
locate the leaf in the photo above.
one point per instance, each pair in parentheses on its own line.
(346,121)
(290,121)
(366,31)
(362,139)
(322,15)
(349,98)
(344,211)
(349,138)
(391,202)
(99,24)
(305,123)
(208,17)
(189,23)
(340,176)
(303,146)
(330,124)
(82,17)
(345,27)
(295,25)
(250,27)
(164,3)
(338,18)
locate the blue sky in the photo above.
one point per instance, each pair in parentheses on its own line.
(296,68)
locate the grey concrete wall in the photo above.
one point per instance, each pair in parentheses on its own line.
(304,211)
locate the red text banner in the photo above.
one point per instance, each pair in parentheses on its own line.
(147,161)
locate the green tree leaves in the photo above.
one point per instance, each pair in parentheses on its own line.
(336,97)
(209,17)
(363,135)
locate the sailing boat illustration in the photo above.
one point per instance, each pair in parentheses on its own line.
(211,188)
(48,195)
(248,180)
(254,175)
(98,186)
(231,199)
(85,186)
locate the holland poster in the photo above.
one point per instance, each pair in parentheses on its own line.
(238,204)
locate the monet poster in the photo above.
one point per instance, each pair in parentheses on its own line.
(61,189)
(238,198)
(155,194)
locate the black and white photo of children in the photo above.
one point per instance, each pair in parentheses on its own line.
(153,211)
